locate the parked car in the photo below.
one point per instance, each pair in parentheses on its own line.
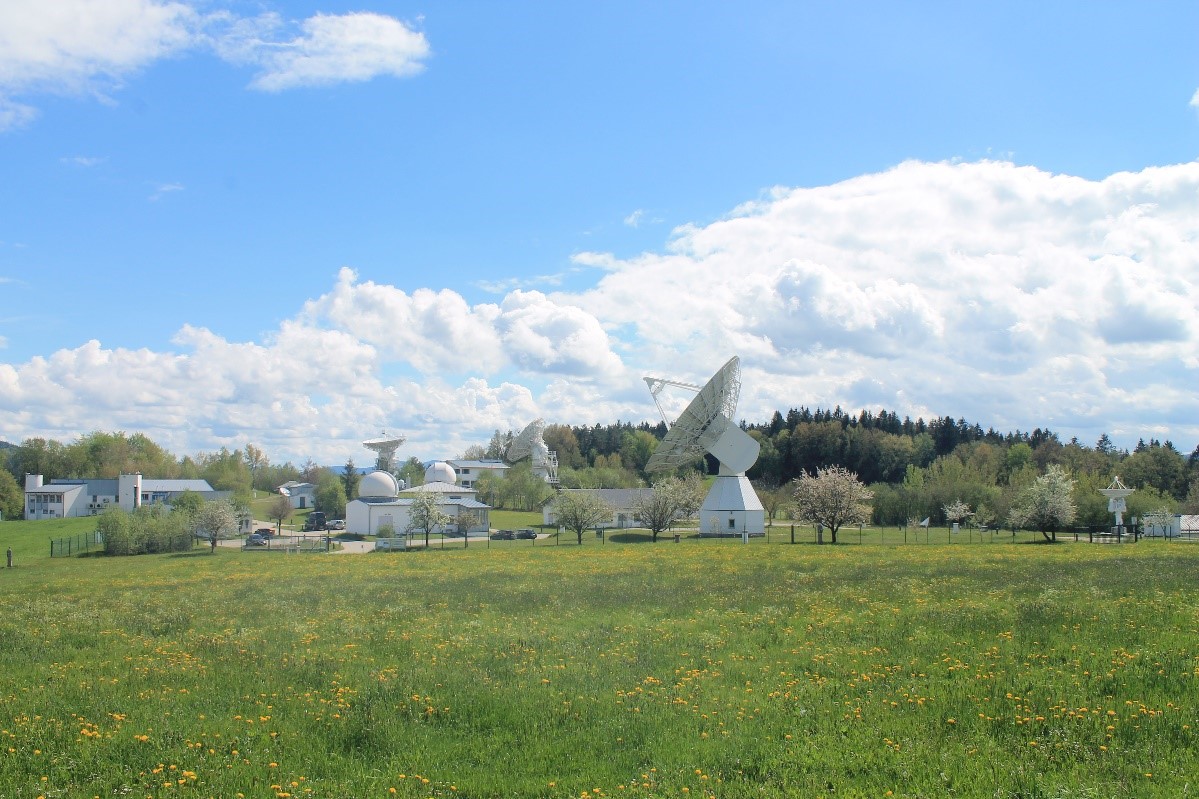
(503,535)
(337,524)
(257,540)
(265,532)
(526,533)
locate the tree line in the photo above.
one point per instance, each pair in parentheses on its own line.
(915,468)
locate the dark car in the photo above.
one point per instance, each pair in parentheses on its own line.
(265,532)
(503,535)
(526,532)
(257,540)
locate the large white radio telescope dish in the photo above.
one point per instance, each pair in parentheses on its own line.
(706,425)
(531,444)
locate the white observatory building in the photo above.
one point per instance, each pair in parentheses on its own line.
(381,502)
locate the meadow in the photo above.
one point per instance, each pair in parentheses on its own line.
(626,670)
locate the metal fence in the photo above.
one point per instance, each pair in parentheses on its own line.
(76,544)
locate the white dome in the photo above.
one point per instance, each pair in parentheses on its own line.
(440,472)
(378,484)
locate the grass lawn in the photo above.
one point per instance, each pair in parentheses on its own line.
(700,669)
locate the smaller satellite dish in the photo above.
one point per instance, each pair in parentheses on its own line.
(384,447)
(531,444)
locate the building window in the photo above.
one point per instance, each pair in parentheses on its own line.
(732,524)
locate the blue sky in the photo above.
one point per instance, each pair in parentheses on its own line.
(295,225)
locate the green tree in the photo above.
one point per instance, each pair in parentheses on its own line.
(1047,504)
(498,445)
(225,470)
(832,498)
(188,503)
(12,497)
(349,479)
(330,496)
(425,514)
(579,511)
(1190,505)
(280,508)
(562,440)
(114,527)
(636,448)
(412,473)
(256,461)
(1160,466)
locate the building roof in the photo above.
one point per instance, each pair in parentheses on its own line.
(378,484)
(56,488)
(110,487)
(481,464)
(618,498)
(200,486)
(439,487)
(403,502)
(440,472)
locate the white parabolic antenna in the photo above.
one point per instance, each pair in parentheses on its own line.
(384,447)
(531,444)
(706,425)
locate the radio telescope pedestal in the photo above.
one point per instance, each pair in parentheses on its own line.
(732,507)
(1116,493)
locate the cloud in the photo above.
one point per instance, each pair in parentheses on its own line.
(338,48)
(543,336)
(438,332)
(1004,294)
(505,285)
(164,189)
(1195,99)
(82,161)
(962,287)
(80,47)
(15,115)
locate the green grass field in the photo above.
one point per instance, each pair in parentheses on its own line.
(702,669)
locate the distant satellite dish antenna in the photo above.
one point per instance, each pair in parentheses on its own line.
(531,444)
(706,425)
(385,448)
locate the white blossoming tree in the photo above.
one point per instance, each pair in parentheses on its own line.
(832,498)
(1047,504)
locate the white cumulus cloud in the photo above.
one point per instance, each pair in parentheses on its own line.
(962,287)
(91,47)
(338,48)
